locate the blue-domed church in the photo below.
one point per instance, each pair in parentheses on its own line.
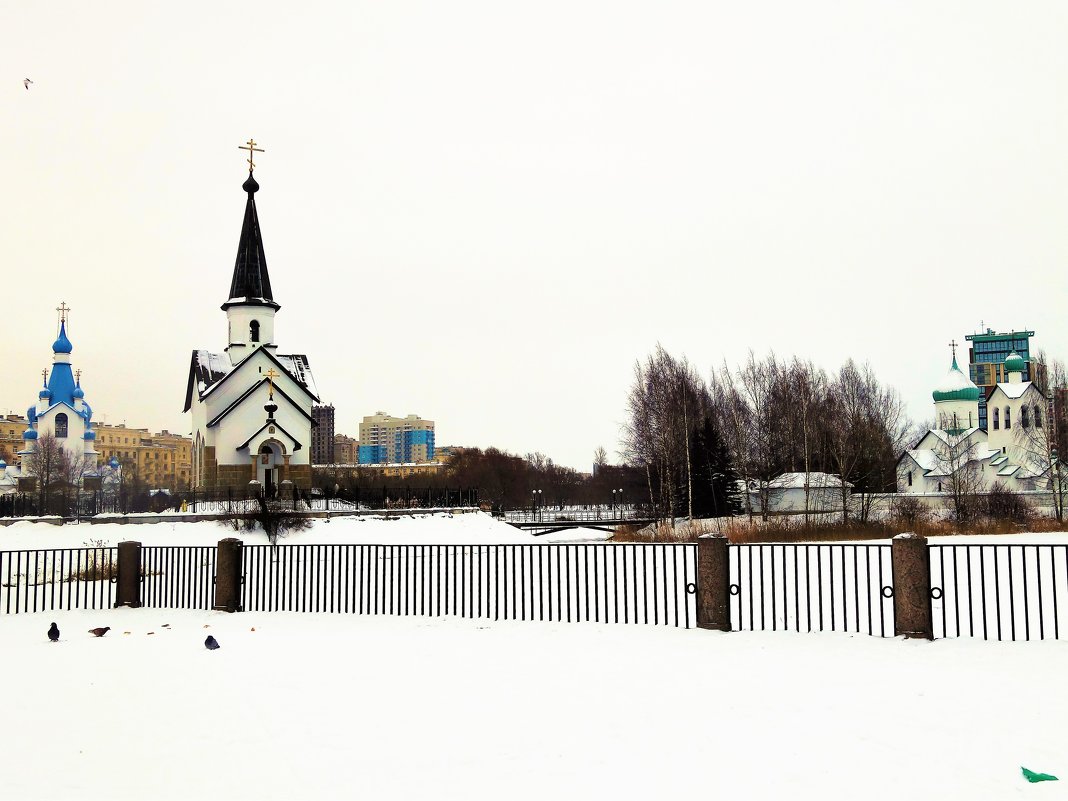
(61,410)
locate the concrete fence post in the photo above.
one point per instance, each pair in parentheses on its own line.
(713,583)
(129,575)
(912,586)
(228,576)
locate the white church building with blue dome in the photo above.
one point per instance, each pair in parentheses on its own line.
(61,411)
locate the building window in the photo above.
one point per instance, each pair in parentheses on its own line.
(1038,416)
(910,478)
(1008,418)
(254,331)
(1025,417)
(61,425)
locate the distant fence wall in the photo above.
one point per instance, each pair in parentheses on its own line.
(89,504)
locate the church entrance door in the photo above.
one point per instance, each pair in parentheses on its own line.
(267,469)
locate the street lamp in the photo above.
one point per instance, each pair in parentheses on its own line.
(535,499)
(617,501)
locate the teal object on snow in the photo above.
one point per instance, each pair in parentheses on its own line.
(1033,777)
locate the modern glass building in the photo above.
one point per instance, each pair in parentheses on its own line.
(986,362)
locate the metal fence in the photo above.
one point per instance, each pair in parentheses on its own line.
(998,592)
(647,584)
(178,577)
(66,578)
(812,588)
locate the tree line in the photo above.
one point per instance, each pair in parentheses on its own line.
(705,446)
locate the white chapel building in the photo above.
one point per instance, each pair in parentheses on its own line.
(1012,452)
(250,405)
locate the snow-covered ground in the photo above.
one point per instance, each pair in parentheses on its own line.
(437,529)
(314,706)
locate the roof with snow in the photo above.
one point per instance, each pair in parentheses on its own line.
(955,386)
(208,370)
(815,481)
(1013,391)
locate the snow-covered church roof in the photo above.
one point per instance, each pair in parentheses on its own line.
(955,385)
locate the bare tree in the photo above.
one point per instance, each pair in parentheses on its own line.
(956,459)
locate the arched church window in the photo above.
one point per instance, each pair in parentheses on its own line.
(1008,418)
(954,420)
(1025,417)
(1038,416)
(61,425)
(254,331)
(997,418)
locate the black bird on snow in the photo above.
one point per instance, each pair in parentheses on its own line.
(53,633)
(211,643)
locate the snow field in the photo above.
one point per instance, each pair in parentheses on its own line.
(335,706)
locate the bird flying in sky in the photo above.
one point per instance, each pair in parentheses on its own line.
(26,82)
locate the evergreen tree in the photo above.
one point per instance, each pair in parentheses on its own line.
(715,481)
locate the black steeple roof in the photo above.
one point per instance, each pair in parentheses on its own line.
(251,283)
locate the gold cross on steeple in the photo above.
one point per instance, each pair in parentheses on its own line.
(44,375)
(250,146)
(78,376)
(63,308)
(271,376)
(953,344)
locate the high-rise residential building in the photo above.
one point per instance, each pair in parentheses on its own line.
(387,439)
(322,437)
(346,449)
(986,362)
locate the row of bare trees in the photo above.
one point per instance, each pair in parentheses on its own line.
(769,416)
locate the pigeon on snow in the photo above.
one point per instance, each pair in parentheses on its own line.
(100,632)
(211,643)
(53,633)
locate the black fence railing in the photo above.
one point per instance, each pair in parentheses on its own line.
(818,587)
(998,592)
(178,577)
(66,578)
(647,584)
(231,501)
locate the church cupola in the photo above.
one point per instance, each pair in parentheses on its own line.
(250,308)
(1014,367)
(956,400)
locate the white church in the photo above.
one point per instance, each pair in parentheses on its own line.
(60,413)
(1012,452)
(250,405)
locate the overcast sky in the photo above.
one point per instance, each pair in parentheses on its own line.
(484,212)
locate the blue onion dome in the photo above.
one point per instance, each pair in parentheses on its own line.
(3,464)
(89,435)
(62,344)
(31,414)
(956,386)
(114,463)
(1015,363)
(45,394)
(87,412)
(29,433)
(79,393)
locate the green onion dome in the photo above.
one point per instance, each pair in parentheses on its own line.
(956,386)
